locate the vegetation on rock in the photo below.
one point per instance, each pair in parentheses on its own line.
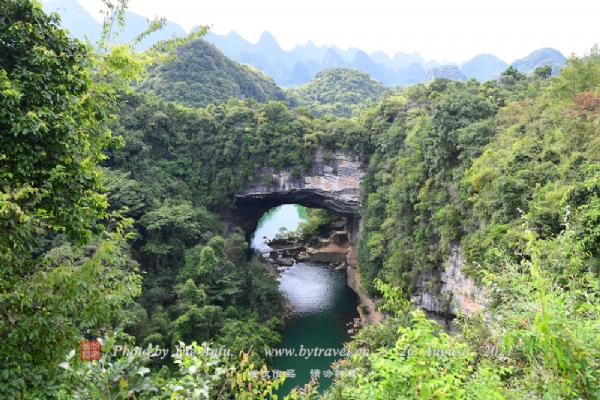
(202,75)
(338,91)
(540,58)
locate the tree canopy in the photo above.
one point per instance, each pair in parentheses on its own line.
(338,91)
(202,75)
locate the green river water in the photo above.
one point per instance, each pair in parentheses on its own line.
(323,305)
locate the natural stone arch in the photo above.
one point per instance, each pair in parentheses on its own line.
(332,186)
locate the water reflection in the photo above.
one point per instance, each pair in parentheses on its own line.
(310,289)
(287,215)
(323,304)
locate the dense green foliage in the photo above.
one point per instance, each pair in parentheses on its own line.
(202,75)
(177,168)
(181,166)
(307,231)
(432,151)
(44,82)
(465,169)
(204,156)
(215,294)
(53,125)
(539,339)
(416,203)
(338,91)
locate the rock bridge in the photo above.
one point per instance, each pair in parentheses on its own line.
(332,186)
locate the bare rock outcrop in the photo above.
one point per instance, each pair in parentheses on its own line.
(456,291)
(333,185)
(367,310)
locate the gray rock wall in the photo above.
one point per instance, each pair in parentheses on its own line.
(456,292)
(333,186)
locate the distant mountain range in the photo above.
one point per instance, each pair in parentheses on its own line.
(80,23)
(289,67)
(301,64)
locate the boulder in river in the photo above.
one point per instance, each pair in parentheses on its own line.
(341,267)
(288,262)
(303,256)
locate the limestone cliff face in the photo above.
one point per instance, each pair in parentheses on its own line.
(457,291)
(372,315)
(332,185)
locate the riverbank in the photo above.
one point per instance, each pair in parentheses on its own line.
(334,249)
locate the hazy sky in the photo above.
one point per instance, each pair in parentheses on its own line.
(456,30)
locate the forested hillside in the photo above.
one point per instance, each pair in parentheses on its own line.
(507,170)
(110,228)
(457,140)
(202,75)
(445,71)
(79,237)
(337,91)
(177,169)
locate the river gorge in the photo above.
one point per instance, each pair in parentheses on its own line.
(323,305)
